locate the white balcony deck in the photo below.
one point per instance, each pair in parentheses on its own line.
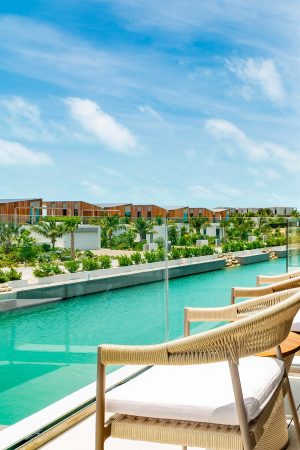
(82,435)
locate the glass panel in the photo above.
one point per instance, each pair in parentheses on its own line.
(210,255)
(155,268)
(49,351)
(293,260)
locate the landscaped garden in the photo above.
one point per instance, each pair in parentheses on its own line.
(186,239)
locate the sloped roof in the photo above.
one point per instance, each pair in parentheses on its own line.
(14,200)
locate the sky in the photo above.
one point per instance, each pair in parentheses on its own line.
(181,102)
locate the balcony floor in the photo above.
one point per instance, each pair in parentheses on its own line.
(82,435)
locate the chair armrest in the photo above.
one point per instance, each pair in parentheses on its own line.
(245,292)
(226,313)
(236,311)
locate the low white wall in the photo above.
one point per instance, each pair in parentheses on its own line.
(87,237)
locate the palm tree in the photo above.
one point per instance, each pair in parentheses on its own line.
(50,229)
(142,226)
(199,222)
(109,225)
(71,224)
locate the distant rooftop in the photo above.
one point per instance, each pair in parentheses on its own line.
(14,200)
(111,205)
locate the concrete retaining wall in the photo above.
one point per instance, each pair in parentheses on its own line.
(251,259)
(52,292)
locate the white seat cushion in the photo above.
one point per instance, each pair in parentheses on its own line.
(296,323)
(201,393)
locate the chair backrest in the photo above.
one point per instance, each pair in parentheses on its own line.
(260,303)
(270,279)
(254,334)
(242,292)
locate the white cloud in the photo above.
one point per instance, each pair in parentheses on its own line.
(216,191)
(152,112)
(103,126)
(259,72)
(255,151)
(93,188)
(266,173)
(21,119)
(19,106)
(15,154)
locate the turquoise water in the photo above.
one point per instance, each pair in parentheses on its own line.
(49,351)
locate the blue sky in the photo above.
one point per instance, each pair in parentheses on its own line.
(180,102)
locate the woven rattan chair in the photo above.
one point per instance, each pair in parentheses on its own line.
(288,284)
(270,279)
(246,292)
(233,344)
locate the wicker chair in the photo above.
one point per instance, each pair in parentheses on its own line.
(288,284)
(270,279)
(246,292)
(221,349)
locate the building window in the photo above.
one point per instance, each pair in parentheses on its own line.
(139,214)
(75,212)
(149,214)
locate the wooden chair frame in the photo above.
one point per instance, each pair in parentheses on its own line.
(253,333)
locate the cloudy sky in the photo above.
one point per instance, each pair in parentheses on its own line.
(149,101)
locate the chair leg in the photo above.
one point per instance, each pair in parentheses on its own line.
(294,410)
(290,395)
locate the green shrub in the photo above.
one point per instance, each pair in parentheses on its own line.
(160,242)
(3,276)
(197,251)
(47,257)
(151,257)
(105,261)
(13,274)
(136,257)
(124,260)
(88,254)
(91,264)
(46,247)
(161,254)
(138,246)
(72,266)
(226,248)
(47,269)
(173,234)
(207,250)
(175,253)
(187,252)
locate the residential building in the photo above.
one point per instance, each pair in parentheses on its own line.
(71,208)
(26,210)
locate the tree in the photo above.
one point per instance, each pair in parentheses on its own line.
(9,233)
(173,234)
(142,226)
(199,222)
(109,225)
(50,229)
(71,224)
(26,245)
(295,213)
(225,225)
